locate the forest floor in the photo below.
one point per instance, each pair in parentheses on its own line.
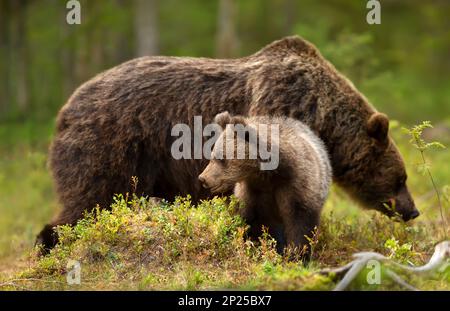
(141,245)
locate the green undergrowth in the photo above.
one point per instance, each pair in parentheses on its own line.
(141,244)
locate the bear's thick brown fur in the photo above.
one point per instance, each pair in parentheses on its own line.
(287,198)
(118,125)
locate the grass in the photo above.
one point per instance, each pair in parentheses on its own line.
(143,245)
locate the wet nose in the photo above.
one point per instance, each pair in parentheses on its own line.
(412,215)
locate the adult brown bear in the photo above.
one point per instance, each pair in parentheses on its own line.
(118,125)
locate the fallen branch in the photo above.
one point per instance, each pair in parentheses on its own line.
(439,261)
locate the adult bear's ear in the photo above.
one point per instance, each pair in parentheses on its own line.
(378,127)
(223,119)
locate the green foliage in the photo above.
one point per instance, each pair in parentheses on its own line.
(424,167)
(401,65)
(199,243)
(139,244)
(416,137)
(400,252)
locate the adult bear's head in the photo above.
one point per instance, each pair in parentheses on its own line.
(299,82)
(381,180)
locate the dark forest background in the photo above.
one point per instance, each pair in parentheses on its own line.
(402,65)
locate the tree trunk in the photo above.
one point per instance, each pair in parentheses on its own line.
(122,50)
(146,27)
(227,42)
(83,39)
(290,9)
(19,43)
(68,59)
(5,57)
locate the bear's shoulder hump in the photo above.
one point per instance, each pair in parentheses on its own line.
(288,46)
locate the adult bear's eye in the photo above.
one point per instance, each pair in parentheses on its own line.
(401,182)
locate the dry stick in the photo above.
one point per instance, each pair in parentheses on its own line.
(441,253)
(400,281)
(351,270)
(352,273)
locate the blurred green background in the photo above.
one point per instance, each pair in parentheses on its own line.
(401,65)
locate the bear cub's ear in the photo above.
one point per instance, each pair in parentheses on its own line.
(378,127)
(238,120)
(223,119)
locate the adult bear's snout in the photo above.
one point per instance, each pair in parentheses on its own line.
(410,216)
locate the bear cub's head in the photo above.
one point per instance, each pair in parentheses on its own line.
(226,168)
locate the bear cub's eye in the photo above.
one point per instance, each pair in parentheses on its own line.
(221,161)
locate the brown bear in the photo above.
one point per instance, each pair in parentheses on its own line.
(118,125)
(288,196)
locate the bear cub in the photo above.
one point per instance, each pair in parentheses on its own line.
(287,199)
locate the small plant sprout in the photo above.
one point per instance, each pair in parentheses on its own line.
(391,207)
(401,252)
(424,167)
(134,183)
(313,240)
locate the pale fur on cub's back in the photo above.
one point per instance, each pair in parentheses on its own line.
(286,200)
(301,147)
